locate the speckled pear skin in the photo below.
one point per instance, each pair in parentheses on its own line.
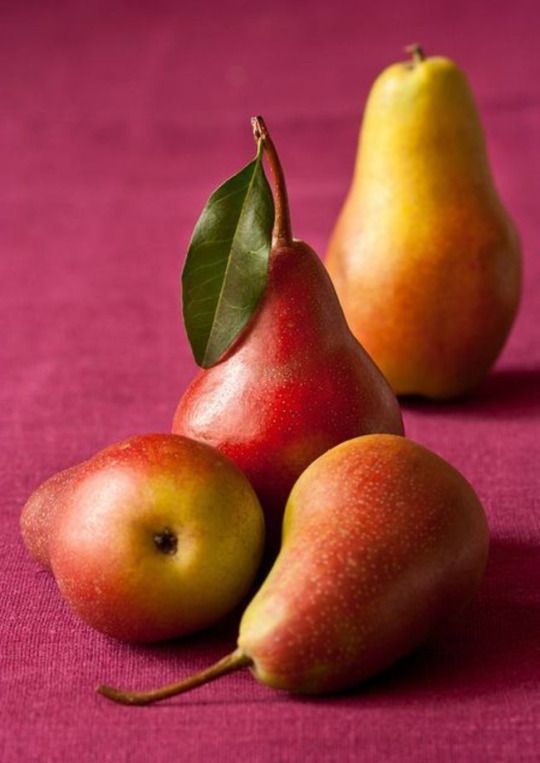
(295,384)
(424,257)
(37,516)
(383,541)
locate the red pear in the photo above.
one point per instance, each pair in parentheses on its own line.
(383,543)
(296,382)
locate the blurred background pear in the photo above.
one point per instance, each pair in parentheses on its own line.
(424,257)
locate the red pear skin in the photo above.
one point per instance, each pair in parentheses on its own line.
(295,383)
(383,543)
(39,511)
(158,536)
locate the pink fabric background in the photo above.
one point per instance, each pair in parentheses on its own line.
(117,120)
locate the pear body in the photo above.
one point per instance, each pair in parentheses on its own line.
(294,384)
(383,543)
(424,257)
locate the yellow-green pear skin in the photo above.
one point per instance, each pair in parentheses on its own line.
(424,257)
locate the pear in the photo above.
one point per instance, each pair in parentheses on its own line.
(152,538)
(424,257)
(40,510)
(295,383)
(383,542)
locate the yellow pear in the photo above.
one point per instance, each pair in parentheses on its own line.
(424,257)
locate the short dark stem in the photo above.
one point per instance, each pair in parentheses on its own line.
(282,233)
(234,661)
(416,52)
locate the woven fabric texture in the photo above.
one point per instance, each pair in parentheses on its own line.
(118,119)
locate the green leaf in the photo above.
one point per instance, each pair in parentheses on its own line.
(227,262)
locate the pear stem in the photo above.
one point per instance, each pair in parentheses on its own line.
(282,233)
(416,52)
(234,661)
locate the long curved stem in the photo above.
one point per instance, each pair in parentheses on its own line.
(234,661)
(282,234)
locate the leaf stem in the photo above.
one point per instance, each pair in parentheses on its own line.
(234,661)
(282,233)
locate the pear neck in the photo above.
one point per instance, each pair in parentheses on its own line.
(282,232)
